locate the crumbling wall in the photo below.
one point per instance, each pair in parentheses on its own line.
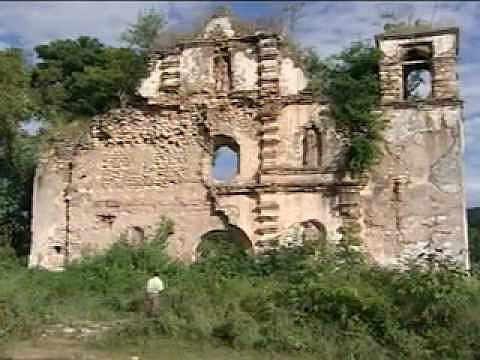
(237,121)
(196,68)
(140,164)
(292,78)
(245,69)
(49,211)
(415,201)
(297,207)
(239,210)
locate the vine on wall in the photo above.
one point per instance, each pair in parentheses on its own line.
(351,83)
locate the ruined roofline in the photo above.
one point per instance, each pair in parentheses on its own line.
(182,44)
(237,30)
(419,34)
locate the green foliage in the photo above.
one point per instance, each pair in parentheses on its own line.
(326,301)
(473,218)
(99,287)
(17,151)
(292,300)
(143,33)
(317,71)
(83,77)
(474,244)
(15,102)
(350,81)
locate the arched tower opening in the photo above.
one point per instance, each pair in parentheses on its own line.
(417,72)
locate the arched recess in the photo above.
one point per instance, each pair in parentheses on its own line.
(311,147)
(225,158)
(229,241)
(313,231)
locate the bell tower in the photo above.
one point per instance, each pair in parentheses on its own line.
(419,66)
(415,205)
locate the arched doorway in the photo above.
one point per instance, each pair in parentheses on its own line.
(231,241)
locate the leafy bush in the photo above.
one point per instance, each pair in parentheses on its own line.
(324,301)
(351,83)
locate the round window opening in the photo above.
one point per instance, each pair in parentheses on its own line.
(225,164)
(419,84)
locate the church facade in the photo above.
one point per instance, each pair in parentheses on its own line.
(138,165)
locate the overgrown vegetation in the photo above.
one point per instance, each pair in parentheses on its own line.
(299,300)
(473,218)
(351,83)
(17,151)
(403,22)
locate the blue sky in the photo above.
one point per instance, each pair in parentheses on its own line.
(326,26)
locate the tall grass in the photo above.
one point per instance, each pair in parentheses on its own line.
(327,302)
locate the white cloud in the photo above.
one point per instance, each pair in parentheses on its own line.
(39,22)
(329,26)
(470,87)
(326,26)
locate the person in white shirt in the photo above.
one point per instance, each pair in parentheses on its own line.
(155,286)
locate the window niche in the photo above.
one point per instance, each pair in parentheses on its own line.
(417,72)
(222,70)
(311,147)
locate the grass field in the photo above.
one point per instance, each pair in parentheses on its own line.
(308,302)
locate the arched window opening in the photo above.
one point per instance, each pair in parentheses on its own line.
(219,243)
(313,232)
(225,159)
(417,72)
(312,148)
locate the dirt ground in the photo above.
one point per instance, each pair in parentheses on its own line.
(62,348)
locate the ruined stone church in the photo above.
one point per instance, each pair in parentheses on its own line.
(139,164)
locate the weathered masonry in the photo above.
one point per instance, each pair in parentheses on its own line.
(246,93)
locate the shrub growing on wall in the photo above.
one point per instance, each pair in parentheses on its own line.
(350,82)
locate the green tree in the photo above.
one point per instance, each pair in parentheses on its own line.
(474,244)
(83,77)
(108,85)
(350,82)
(143,33)
(17,151)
